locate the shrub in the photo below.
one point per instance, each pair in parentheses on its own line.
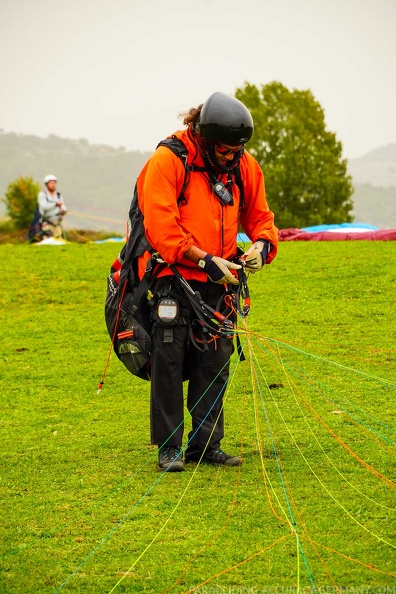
(21,201)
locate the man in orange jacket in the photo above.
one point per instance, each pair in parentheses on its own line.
(198,234)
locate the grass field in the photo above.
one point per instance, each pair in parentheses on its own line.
(311,411)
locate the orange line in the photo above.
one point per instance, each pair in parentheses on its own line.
(216,536)
(373,470)
(369,566)
(239,564)
(299,516)
(306,530)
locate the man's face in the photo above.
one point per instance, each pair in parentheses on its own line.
(51,185)
(225,153)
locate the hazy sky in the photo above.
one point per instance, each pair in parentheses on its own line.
(118,72)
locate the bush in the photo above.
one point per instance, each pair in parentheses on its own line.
(21,201)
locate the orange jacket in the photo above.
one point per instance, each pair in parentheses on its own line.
(203,220)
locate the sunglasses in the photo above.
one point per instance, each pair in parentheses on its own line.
(224,150)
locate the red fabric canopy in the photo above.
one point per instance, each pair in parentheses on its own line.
(299,235)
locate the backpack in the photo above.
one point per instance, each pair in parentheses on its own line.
(127,312)
(35,228)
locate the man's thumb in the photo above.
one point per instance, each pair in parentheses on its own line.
(233,266)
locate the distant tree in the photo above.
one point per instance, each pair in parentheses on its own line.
(306,177)
(21,201)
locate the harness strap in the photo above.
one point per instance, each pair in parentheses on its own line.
(211,321)
(210,318)
(149,276)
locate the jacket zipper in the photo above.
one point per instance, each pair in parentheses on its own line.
(222,206)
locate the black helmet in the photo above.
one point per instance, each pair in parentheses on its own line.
(226,120)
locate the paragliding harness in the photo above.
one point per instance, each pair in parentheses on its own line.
(128,314)
(35,229)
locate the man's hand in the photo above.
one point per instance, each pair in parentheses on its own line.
(218,270)
(256,255)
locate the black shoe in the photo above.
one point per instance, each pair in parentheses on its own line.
(216,457)
(170,459)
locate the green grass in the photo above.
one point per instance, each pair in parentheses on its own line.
(312,411)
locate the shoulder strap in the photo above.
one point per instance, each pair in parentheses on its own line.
(178,148)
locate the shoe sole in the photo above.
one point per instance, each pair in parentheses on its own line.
(172,468)
(222,463)
(213,463)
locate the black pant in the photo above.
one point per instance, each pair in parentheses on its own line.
(207,372)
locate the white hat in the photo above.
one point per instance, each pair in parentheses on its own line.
(49,178)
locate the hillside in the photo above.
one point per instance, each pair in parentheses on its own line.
(375,205)
(374,177)
(97,181)
(377,168)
